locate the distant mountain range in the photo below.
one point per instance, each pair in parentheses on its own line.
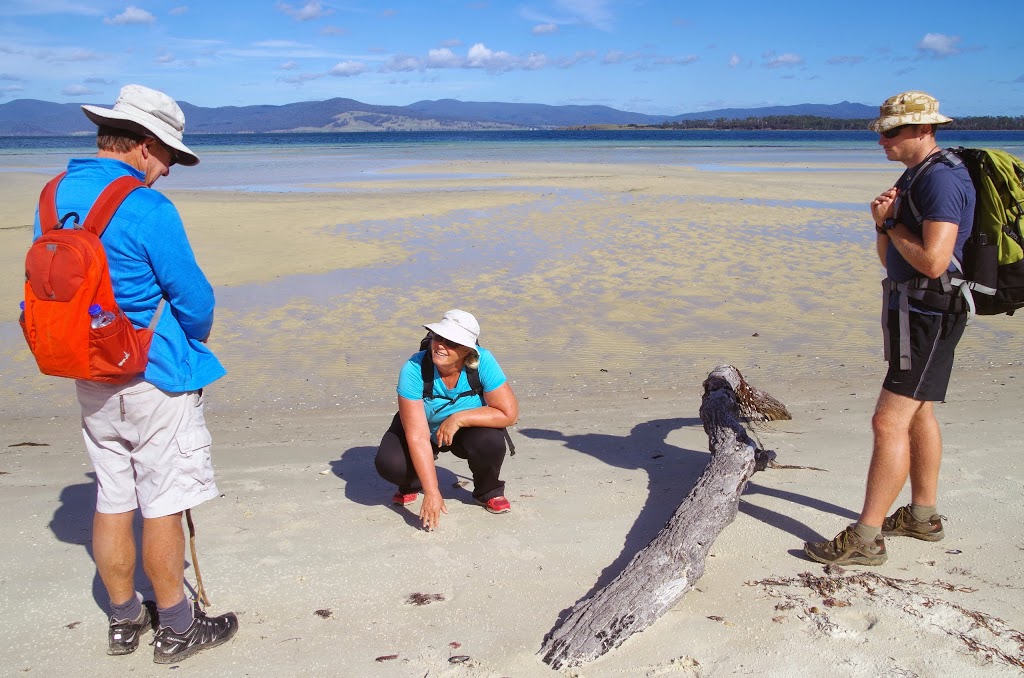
(31,117)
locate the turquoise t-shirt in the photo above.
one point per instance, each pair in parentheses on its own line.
(445,403)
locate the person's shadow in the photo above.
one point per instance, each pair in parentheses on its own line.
(364,486)
(72,524)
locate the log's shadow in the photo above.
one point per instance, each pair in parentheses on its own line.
(784,522)
(364,486)
(671,473)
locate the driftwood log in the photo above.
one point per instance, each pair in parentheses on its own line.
(668,567)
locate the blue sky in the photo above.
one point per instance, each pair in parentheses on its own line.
(648,56)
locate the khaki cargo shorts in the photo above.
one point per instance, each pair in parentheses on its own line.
(150,448)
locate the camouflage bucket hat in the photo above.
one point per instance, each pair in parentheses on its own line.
(908,108)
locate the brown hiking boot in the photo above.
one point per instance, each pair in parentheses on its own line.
(902,523)
(847,549)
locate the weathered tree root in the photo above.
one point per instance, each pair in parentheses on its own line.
(660,574)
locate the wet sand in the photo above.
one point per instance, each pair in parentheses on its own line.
(607,292)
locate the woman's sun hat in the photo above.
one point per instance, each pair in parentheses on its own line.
(458,326)
(908,108)
(149,112)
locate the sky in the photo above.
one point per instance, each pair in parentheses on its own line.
(660,57)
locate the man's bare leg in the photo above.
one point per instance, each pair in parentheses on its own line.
(925,456)
(163,557)
(113,547)
(895,418)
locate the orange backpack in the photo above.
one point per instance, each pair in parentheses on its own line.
(66,273)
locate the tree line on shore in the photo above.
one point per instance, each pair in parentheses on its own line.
(812,122)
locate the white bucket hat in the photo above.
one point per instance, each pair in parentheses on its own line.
(149,112)
(458,326)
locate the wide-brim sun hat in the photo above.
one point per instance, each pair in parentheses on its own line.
(458,326)
(908,108)
(148,112)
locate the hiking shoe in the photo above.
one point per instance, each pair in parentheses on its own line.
(847,549)
(902,523)
(205,632)
(123,636)
(496,505)
(401,499)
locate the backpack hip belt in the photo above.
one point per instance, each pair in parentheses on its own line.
(949,294)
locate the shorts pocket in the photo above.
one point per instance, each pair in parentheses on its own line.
(194,461)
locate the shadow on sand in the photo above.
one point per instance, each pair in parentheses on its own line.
(72,524)
(671,473)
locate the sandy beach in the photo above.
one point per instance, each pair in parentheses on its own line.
(607,293)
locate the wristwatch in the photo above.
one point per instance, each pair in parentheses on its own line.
(886,226)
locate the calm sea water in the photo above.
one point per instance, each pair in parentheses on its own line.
(294,162)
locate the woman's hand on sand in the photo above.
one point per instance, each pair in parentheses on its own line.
(431,510)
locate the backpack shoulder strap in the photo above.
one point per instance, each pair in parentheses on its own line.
(473,376)
(946,156)
(427,372)
(48,204)
(102,211)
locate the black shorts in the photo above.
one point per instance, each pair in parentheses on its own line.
(933,340)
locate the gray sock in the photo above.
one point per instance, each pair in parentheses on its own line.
(177,617)
(866,532)
(130,611)
(923,514)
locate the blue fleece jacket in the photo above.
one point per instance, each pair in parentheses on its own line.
(150,257)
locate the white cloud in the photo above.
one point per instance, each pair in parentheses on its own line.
(614,56)
(787,60)
(443,58)
(939,45)
(165,58)
(578,57)
(479,56)
(735,60)
(544,29)
(178,11)
(402,63)
(289,66)
(78,91)
(346,69)
(131,16)
(310,11)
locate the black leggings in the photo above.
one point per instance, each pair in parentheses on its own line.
(483,448)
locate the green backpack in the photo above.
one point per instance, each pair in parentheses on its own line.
(993,265)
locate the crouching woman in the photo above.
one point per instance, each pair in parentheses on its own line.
(439,410)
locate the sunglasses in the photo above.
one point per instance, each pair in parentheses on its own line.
(446,342)
(170,151)
(894,132)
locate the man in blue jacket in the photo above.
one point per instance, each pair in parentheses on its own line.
(147,439)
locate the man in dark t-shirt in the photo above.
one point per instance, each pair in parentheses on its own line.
(922,223)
